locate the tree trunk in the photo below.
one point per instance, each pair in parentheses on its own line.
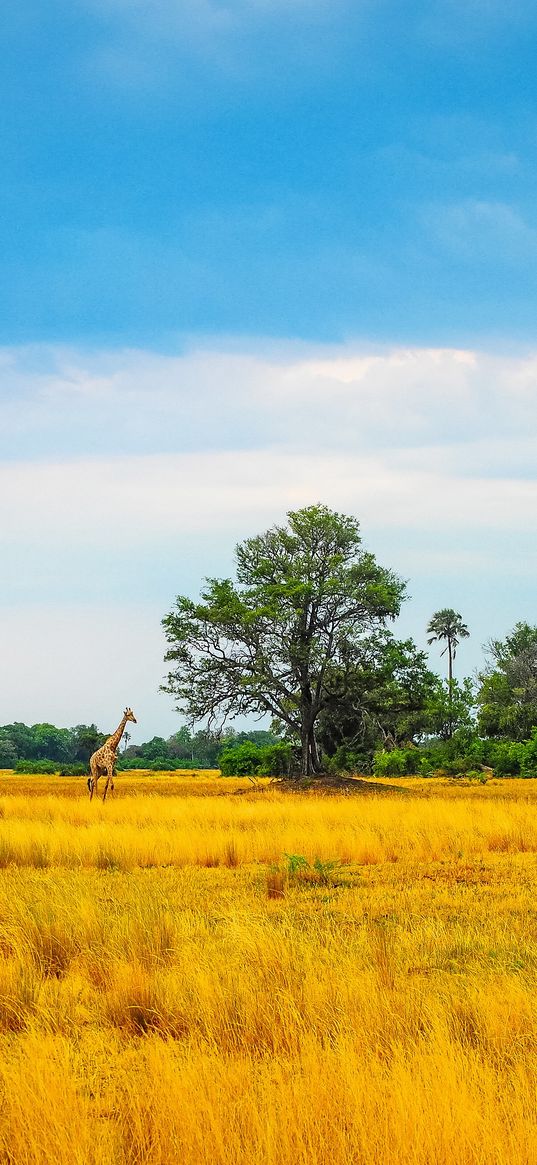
(314,753)
(450,689)
(309,711)
(305,758)
(309,753)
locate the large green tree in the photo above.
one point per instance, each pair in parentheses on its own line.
(507,695)
(305,596)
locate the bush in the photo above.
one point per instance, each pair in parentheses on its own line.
(528,765)
(254,760)
(399,762)
(159,764)
(349,760)
(36,766)
(462,756)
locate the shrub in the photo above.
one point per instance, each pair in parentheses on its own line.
(349,760)
(253,760)
(159,764)
(528,765)
(462,756)
(399,762)
(36,766)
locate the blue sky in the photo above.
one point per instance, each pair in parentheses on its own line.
(256,254)
(308,169)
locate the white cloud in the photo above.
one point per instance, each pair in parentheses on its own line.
(137,504)
(59,403)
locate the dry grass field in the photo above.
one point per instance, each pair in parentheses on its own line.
(204,973)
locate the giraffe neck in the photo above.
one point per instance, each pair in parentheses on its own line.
(114,740)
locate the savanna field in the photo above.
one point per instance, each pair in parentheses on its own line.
(202,971)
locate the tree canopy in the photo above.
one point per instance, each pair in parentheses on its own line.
(305,596)
(447,626)
(379,697)
(507,695)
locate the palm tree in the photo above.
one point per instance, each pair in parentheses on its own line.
(447,625)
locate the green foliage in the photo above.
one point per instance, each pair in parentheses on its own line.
(36,766)
(449,707)
(398,762)
(158,764)
(507,696)
(51,743)
(8,751)
(447,626)
(463,755)
(85,740)
(320,873)
(23,739)
(296,863)
(46,742)
(249,759)
(350,760)
(382,694)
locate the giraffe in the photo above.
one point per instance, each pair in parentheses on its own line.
(104,759)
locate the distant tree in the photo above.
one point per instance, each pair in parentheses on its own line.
(262,737)
(446,626)
(8,751)
(507,694)
(156,747)
(85,739)
(206,746)
(52,743)
(23,739)
(305,596)
(180,744)
(449,708)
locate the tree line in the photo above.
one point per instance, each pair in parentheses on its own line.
(46,748)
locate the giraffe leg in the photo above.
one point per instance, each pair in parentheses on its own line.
(109,785)
(109,777)
(92,779)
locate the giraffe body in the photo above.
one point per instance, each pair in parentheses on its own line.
(102,761)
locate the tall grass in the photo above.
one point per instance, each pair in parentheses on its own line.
(161,1003)
(144,830)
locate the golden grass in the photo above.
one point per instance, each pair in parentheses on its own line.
(174,987)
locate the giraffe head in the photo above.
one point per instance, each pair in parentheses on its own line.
(129,715)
